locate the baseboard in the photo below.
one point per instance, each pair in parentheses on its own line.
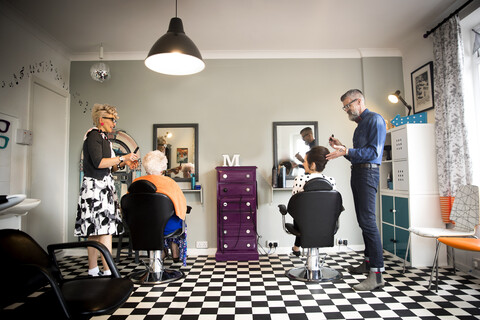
(194,252)
(467,269)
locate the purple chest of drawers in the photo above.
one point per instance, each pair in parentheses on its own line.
(236,214)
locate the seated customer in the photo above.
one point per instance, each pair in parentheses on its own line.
(314,164)
(155,164)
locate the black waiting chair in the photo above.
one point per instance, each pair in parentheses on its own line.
(146,213)
(26,268)
(315,211)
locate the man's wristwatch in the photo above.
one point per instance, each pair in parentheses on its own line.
(121,158)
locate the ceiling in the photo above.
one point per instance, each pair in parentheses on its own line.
(128,28)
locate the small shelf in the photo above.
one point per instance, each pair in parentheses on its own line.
(200,192)
(279,190)
(283,189)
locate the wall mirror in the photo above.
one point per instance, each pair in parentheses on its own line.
(179,142)
(287,142)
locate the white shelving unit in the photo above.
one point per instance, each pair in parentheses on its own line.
(414,198)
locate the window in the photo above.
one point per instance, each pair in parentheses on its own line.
(472,89)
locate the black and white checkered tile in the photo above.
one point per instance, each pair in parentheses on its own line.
(260,290)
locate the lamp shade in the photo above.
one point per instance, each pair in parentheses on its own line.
(174,53)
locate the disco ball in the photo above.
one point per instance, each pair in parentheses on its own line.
(100,72)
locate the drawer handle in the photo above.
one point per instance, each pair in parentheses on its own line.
(225,189)
(247,175)
(247,231)
(248,217)
(248,245)
(225,204)
(225,245)
(225,176)
(224,231)
(225,217)
(248,204)
(247,189)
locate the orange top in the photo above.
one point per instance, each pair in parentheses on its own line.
(170,188)
(470,244)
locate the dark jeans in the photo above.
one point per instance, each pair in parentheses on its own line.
(364,183)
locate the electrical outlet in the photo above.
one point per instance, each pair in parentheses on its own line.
(476,263)
(201,244)
(271,243)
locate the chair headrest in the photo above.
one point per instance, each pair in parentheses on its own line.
(317,184)
(142,186)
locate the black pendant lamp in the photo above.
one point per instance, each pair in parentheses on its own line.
(174,53)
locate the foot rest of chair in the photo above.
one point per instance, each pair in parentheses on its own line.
(322,274)
(155,272)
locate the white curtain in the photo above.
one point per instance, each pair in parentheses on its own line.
(453,157)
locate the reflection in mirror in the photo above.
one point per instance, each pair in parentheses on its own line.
(289,147)
(179,142)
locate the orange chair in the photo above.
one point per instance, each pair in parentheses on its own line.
(469,244)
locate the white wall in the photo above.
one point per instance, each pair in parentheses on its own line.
(235,103)
(25,53)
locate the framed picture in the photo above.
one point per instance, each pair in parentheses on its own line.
(182,155)
(422,88)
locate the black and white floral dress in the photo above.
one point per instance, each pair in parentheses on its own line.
(98,211)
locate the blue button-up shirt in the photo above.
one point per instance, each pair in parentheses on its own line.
(368,139)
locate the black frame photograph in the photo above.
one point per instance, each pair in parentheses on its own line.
(422,88)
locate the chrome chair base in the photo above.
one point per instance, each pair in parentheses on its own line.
(155,272)
(321,275)
(314,271)
(147,277)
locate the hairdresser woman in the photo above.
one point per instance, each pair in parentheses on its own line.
(98,214)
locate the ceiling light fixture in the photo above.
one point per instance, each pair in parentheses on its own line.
(395,97)
(174,53)
(100,71)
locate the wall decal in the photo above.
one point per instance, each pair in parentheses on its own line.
(37,67)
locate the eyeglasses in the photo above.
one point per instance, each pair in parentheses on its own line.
(345,107)
(113,119)
(4,126)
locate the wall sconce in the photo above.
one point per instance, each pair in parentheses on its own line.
(174,53)
(395,97)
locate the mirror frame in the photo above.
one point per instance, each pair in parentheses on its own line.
(313,124)
(179,125)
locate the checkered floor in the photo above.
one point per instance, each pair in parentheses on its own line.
(260,290)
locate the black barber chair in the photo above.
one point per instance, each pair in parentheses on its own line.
(146,213)
(26,268)
(315,211)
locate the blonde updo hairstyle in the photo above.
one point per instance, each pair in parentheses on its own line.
(155,162)
(103,110)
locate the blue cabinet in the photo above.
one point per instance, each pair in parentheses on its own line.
(395,224)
